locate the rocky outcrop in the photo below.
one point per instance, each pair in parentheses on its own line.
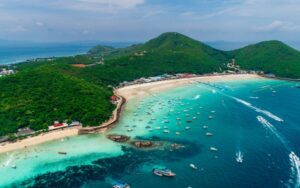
(118,138)
(143,144)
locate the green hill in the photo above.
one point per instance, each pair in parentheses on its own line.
(271,57)
(40,96)
(168,53)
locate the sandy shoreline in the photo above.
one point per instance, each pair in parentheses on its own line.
(128,92)
(142,90)
(42,138)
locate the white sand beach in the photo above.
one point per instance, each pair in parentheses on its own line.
(141,90)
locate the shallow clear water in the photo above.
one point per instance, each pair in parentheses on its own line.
(247,118)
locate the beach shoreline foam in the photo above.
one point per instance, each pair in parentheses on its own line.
(128,92)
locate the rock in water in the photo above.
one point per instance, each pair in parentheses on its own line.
(118,138)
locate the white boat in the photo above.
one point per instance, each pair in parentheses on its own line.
(13,166)
(213,149)
(187,128)
(129,130)
(166,131)
(239,157)
(193,166)
(210,117)
(209,134)
(177,133)
(205,127)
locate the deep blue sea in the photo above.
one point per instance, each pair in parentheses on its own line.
(11,53)
(257,119)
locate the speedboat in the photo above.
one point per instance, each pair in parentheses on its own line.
(163,172)
(213,149)
(193,166)
(120,184)
(239,157)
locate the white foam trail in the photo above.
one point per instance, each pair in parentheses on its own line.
(294,159)
(295,162)
(197,97)
(268,125)
(267,113)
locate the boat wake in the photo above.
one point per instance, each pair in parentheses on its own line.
(295,162)
(294,159)
(267,113)
(249,105)
(269,126)
(239,157)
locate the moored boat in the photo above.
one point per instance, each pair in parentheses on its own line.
(209,134)
(120,184)
(193,166)
(163,172)
(62,153)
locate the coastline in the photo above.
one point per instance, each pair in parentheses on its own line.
(125,93)
(39,139)
(146,89)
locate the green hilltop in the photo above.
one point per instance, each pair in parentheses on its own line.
(44,91)
(271,57)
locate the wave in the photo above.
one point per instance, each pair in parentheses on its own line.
(8,161)
(267,113)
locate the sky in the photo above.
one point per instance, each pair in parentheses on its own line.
(140,20)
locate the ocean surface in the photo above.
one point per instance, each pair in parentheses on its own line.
(257,120)
(11,53)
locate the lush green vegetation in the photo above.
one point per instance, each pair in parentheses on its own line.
(37,97)
(45,91)
(169,53)
(271,57)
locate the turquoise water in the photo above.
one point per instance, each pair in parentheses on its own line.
(258,118)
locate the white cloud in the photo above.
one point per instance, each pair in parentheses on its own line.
(276,25)
(123,4)
(99,5)
(40,24)
(19,28)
